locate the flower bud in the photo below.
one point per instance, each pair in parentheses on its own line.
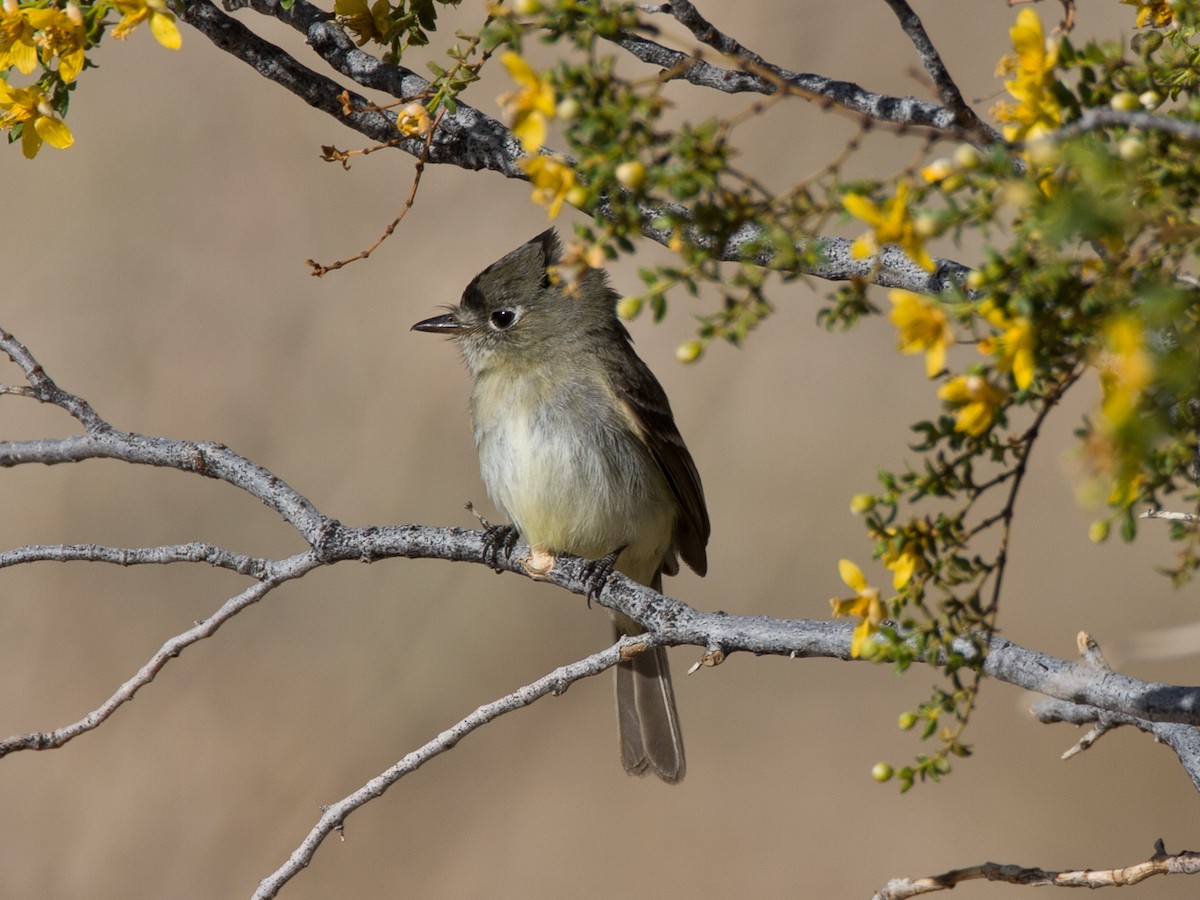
(1125,101)
(689,351)
(629,307)
(861,503)
(967,157)
(1150,99)
(568,108)
(1131,148)
(631,175)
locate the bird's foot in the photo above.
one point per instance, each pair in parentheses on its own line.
(596,573)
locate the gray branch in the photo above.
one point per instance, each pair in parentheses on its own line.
(196,551)
(472,140)
(1095,119)
(1183,739)
(964,116)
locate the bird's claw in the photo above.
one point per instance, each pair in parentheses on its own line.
(498,543)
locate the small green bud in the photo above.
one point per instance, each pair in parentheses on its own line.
(568,108)
(925,225)
(976,279)
(1131,148)
(1150,99)
(577,196)
(1098,531)
(881,772)
(1043,152)
(629,307)
(1125,101)
(689,351)
(861,503)
(967,157)
(906,721)
(527,7)
(631,175)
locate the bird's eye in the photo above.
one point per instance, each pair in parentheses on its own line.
(503,319)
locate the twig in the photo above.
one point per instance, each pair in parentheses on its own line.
(49,740)
(1185,863)
(1094,119)
(196,551)
(318,269)
(1169,515)
(964,116)
(334,816)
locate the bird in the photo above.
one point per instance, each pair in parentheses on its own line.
(578,447)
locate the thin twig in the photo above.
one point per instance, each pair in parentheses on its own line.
(333,817)
(1184,863)
(318,269)
(286,570)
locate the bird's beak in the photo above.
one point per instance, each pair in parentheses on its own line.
(446,324)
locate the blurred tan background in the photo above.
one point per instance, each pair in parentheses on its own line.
(156,268)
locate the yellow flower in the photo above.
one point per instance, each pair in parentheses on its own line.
(923,328)
(938,170)
(1013,347)
(369,23)
(17,47)
(532,105)
(162,22)
(60,34)
(413,120)
(1125,369)
(976,401)
(29,108)
(552,180)
(1036,110)
(1152,12)
(905,562)
(890,223)
(865,603)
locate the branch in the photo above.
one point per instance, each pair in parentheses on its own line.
(964,116)
(196,551)
(1184,863)
(334,816)
(901,111)
(472,140)
(49,740)
(1095,119)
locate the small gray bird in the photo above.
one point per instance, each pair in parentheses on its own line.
(578,447)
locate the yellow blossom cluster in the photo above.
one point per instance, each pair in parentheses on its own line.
(532,106)
(29,107)
(1157,13)
(368,23)
(30,36)
(924,328)
(1032,81)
